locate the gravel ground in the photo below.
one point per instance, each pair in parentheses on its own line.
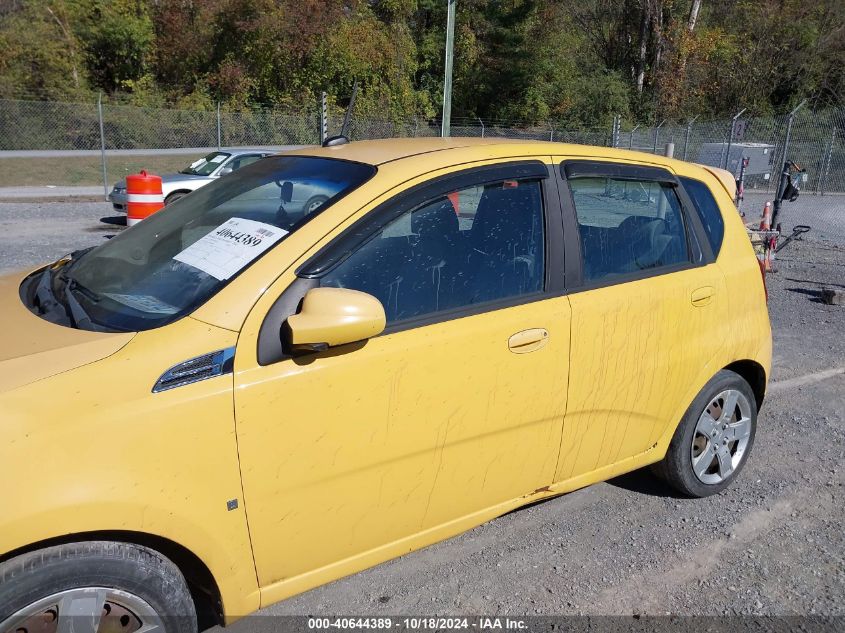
(37,232)
(826,214)
(772,544)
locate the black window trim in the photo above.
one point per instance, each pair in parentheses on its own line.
(361,231)
(309,273)
(698,246)
(692,205)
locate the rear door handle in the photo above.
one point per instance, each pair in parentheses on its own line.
(702,296)
(528,340)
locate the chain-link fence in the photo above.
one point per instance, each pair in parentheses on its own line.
(38,140)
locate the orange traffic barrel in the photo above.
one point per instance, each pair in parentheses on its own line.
(143,196)
(766,220)
(455,199)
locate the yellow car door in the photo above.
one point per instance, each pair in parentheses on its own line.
(364,451)
(645,295)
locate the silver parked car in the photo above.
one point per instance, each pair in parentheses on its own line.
(199,173)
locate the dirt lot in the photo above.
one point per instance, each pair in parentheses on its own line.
(772,544)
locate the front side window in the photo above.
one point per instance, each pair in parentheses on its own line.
(463,248)
(176,259)
(627,226)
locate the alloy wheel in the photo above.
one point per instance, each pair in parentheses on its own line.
(721,437)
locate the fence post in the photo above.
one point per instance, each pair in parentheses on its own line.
(103,145)
(324,117)
(686,137)
(657,135)
(551,131)
(788,137)
(826,165)
(784,170)
(618,128)
(446,121)
(482,125)
(614,131)
(631,143)
(731,138)
(219,135)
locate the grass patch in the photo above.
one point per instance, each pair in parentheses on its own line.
(84,170)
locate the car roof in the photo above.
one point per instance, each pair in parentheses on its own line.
(249,150)
(380,151)
(431,153)
(456,150)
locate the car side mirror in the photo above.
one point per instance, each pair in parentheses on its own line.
(226,170)
(334,316)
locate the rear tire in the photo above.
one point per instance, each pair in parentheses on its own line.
(126,586)
(714,439)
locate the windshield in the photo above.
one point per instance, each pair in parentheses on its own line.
(204,166)
(175,260)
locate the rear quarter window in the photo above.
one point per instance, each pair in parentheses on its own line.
(708,210)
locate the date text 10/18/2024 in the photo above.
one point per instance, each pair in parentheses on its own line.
(418,624)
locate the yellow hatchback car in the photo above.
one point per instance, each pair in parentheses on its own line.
(237,400)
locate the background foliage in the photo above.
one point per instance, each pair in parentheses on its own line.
(575,61)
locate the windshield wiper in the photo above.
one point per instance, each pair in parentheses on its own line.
(48,304)
(81,319)
(59,305)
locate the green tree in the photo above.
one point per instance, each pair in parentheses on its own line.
(40,54)
(118,39)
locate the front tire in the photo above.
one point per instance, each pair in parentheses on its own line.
(104,586)
(313,204)
(173,197)
(713,441)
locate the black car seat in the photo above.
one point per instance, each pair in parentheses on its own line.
(641,243)
(506,238)
(427,285)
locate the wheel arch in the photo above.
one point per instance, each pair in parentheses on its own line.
(316,196)
(754,374)
(201,582)
(181,191)
(749,370)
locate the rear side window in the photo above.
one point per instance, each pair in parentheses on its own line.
(627,226)
(708,210)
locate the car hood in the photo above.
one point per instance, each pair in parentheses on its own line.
(32,348)
(169,179)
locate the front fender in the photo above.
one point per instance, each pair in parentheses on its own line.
(93,449)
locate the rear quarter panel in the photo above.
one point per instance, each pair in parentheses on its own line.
(742,330)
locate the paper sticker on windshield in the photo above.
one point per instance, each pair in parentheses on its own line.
(197,162)
(218,159)
(230,247)
(143,303)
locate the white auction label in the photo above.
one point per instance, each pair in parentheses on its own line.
(230,247)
